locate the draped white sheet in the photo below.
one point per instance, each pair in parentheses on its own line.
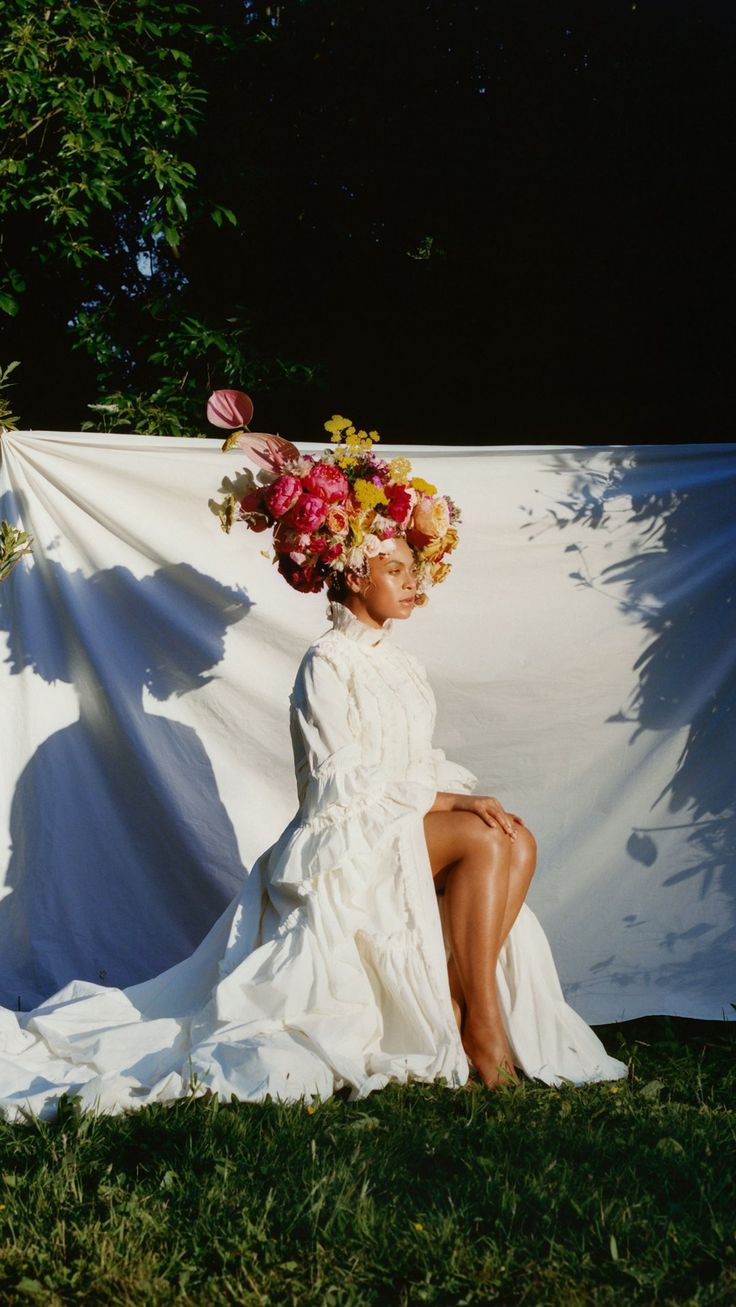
(582,653)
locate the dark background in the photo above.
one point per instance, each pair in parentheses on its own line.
(457,222)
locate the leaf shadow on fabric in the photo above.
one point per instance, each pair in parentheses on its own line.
(681,587)
(122,852)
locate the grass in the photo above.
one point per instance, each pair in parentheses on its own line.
(605,1194)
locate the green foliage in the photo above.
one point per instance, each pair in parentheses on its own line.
(8,419)
(95,108)
(180,359)
(549,1198)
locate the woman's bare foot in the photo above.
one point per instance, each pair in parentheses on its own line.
(488,1050)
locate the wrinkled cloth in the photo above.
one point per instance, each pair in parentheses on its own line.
(329,969)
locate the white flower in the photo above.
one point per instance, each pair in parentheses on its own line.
(371,545)
(298,467)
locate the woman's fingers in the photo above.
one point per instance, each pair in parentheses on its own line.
(504,820)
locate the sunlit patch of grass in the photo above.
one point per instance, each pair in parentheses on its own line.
(604,1194)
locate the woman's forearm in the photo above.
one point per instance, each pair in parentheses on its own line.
(444,802)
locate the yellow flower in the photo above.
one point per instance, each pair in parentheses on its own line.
(400,469)
(336,425)
(418,1225)
(441,545)
(367,494)
(439,572)
(423,487)
(311,1110)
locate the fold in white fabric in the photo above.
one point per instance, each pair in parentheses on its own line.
(329,969)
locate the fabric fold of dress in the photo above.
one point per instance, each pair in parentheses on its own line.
(329,969)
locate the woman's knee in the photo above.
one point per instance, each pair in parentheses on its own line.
(486,840)
(525,848)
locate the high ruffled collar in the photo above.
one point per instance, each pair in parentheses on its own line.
(351,626)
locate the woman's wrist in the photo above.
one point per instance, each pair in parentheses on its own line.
(445,802)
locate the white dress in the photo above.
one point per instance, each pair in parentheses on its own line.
(329,968)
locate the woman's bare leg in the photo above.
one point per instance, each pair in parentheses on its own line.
(472,861)
(523,859)
(521,870)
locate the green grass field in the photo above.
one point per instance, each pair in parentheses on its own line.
(605,1194)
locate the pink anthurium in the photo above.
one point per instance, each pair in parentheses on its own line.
(262,448)
(229,409)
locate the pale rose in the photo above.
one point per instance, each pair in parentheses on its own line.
(431,516)
(383,527)
(328,482)
(283,494)
(337,520)
(308,513)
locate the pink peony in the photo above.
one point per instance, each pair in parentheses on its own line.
(229,409)
(431,516)
(328,482)
(282,494)
(308,513)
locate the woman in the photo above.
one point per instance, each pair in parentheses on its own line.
(482,857)
(330,969)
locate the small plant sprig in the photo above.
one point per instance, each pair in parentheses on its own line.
(14,543)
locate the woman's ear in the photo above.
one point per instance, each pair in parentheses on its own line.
(354,582)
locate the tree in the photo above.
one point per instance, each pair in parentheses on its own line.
(448,218)
(99,117)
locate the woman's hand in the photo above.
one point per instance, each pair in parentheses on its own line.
(489,810)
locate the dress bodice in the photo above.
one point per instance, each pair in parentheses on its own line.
(360,700)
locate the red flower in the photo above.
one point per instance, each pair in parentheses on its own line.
(399,503)
(305,578)
(253,511)
(417,539)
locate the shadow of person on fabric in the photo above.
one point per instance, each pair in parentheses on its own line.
(681,587)
(122,852)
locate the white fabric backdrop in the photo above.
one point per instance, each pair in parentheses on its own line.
(583,654)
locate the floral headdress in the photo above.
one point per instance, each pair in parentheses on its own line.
(336,511)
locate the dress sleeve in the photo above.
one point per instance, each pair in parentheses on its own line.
(452,778)
(326,730)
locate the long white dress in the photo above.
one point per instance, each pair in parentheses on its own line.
(329,968)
